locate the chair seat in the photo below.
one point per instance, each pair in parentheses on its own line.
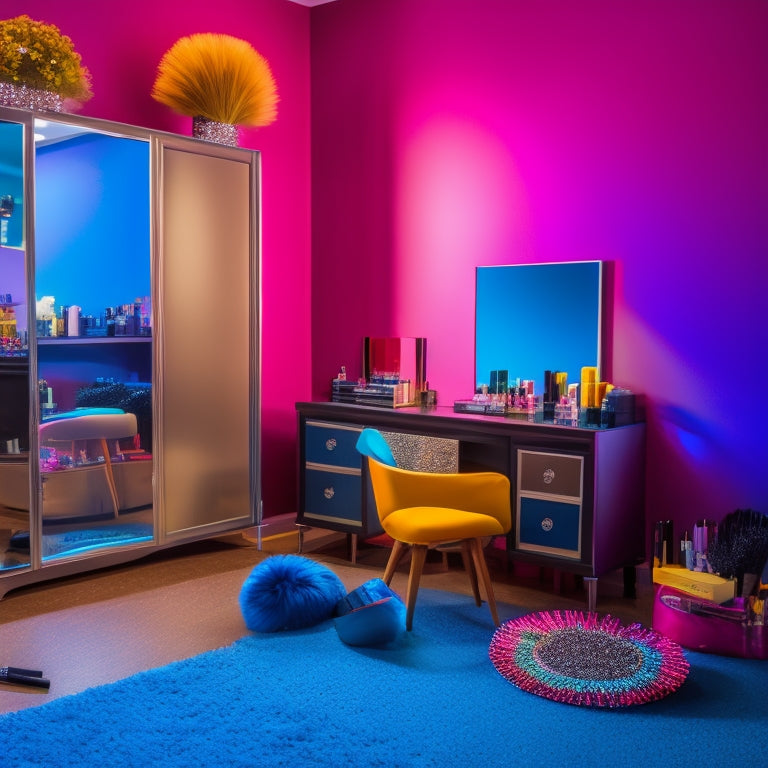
(400,496)
(431,525)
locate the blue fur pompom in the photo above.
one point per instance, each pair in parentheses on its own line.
(289,592)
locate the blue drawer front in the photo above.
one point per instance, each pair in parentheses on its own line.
(333,497)
(553,525)
(332,444)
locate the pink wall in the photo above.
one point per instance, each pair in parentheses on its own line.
(122,44)
(448,134)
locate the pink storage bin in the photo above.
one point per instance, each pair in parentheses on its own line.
(707,633)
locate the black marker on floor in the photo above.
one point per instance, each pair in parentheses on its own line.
(19,676)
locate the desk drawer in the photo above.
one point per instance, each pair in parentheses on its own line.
(555,474)
(331,444)
(549,526)
(333,497)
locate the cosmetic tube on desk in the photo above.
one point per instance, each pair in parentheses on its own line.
(704,533)
(686,552)
(588,384)
(662,543)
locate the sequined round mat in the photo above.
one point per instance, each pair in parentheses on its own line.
(580,658)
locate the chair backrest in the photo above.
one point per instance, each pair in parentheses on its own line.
(371,443)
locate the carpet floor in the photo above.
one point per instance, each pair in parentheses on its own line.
(303,698)
(101,626)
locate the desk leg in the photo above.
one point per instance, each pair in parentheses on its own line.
(630,581)
(591,583)
(301,528)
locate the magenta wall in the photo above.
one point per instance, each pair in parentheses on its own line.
(122,44)
(448,134)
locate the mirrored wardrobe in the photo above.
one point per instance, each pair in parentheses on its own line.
(129,358)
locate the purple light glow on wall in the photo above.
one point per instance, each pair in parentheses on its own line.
(632,135)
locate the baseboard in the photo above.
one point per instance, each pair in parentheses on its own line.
(280,533)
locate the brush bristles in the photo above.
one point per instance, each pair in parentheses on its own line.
(218,77)
(741,547)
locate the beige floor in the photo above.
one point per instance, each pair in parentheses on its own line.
(102,626)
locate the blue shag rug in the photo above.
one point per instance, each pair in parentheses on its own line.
(304,698)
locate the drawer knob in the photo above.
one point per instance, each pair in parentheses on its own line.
(329,493)
(547,524)
(549,476)
(330,444)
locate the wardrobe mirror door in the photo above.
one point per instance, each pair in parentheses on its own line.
(93,339)
(14,354)
(206,329)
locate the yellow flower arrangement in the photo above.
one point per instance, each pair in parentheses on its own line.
(217,77)
(37,55)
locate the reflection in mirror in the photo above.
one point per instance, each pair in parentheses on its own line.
(394,374)
(14,362)
(395,359)
(531,318)
(94,342)
(11,185)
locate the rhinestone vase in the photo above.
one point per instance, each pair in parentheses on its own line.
(210,130)
(25,97)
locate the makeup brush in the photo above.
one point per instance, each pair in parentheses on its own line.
(741,548)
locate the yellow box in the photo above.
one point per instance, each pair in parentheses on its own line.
(704,585)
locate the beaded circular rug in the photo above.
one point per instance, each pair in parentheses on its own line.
(580,658)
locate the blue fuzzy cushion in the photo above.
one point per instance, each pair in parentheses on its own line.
(289,592)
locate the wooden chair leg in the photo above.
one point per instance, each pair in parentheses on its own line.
(484,577)
(466,557)
(418,556)
(110,477)
(398,549)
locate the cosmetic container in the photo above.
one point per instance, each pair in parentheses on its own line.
(706,626)
(618,408)
(662,544)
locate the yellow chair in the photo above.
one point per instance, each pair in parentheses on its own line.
(424,509)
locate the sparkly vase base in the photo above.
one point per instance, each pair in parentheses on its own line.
(24,97)
(578,658)
(210,130)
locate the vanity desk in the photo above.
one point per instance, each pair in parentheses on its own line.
(577,494)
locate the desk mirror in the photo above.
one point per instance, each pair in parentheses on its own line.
(535,317)
(401,358)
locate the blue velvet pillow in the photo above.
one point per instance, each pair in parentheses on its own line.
(289,592)
(371,615)
(373,625)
